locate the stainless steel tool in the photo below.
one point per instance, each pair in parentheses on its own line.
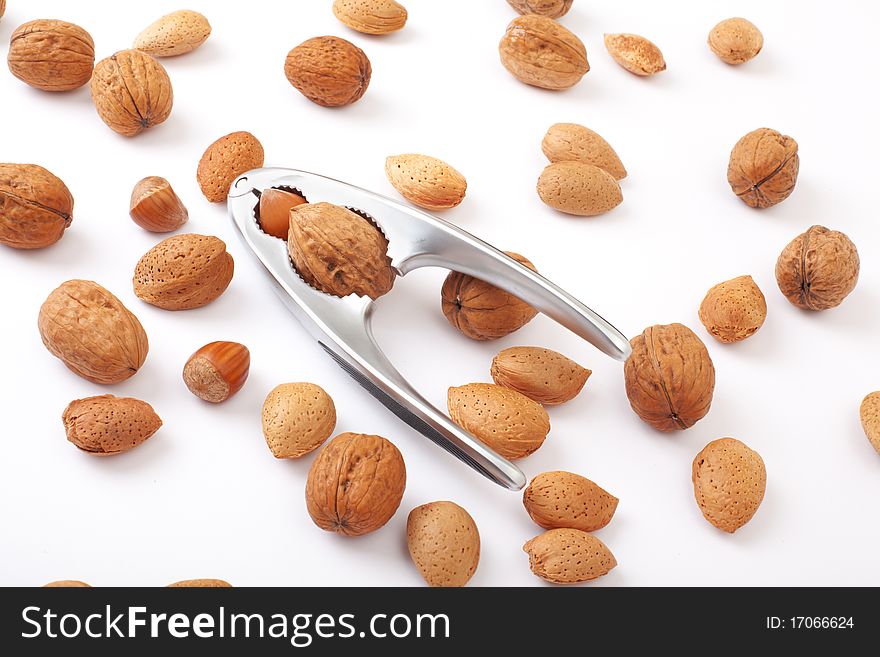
(342,326)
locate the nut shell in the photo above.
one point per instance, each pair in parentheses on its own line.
(339,252)
(733,310)
(444,543)
(540,52)
(51,55)
(92,332)
(565,142)
(35,206)
(563,499)
(109,425)
(508,422)
(132,92)
(635,53)
(568,556)
(580,189)
(763,168)
(274,211)
(355,484)
(176,33)
(297,419)
(155,207)
(61,583)
(542,375)
(729,482)
(183,272)
(371,16)
(217,371)
(201,583)
(869,412)
(735,41)
(548,8)
(818,269)
(225,160)
(426,181)
(329,71)
(482,311)
(669,377)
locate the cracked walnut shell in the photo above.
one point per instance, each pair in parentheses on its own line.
(763,168)
(355,484)
(669,377)
(539,51)
(818,269)
(132,92)
(733,310)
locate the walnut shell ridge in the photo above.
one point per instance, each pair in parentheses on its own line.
(669,377)
(818,269)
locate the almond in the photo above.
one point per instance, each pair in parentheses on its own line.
(273,212)
(733,310)
(132,92)
(92,332)
(538,51)
(297,419)
(155,207)
(51,55)
(870,415)
(580,189)
(635,53)
(729,482)
(735,41)
(568,556)
(355,484)
(371,16)
(542,375)
(217,371)
(174,34)
(201,583)
(565,142)
(444,543)
(329,71)
(549,8)
(109,425)
(225,160)
(35,206)
(508,422)
(565,500)
(183,272)
(426,181)
(61,583)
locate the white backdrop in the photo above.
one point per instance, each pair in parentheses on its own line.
(205,498)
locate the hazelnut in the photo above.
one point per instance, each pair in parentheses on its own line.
(217,371)
(733,310)
(763,168)
(155,207)
(669,377)
(274,211)
(818,269)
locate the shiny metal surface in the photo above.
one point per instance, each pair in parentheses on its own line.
(342,326)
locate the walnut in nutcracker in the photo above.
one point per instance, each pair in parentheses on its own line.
(763,168)
(669,377)
(338,251)
(35,206)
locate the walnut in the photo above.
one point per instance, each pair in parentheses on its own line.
(51,55)
(818,269)
(669,377)
(763,168)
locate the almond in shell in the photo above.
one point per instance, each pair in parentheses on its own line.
(542,375)
(729,482)
(225,160)
(61,583)
(426,181)
(297,419)
(735,41)
(183,272)
(329,71)
(733,310)
(201,583)
(92,333)
(869,412)
(444,543)
(566,142)
(508,422)
(540,52)
(35,206)
(107,425)
(578,188)
(635,53)
(371,16)
(564,499)
(176,33)
(568,556)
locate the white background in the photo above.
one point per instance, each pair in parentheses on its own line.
(205,498)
